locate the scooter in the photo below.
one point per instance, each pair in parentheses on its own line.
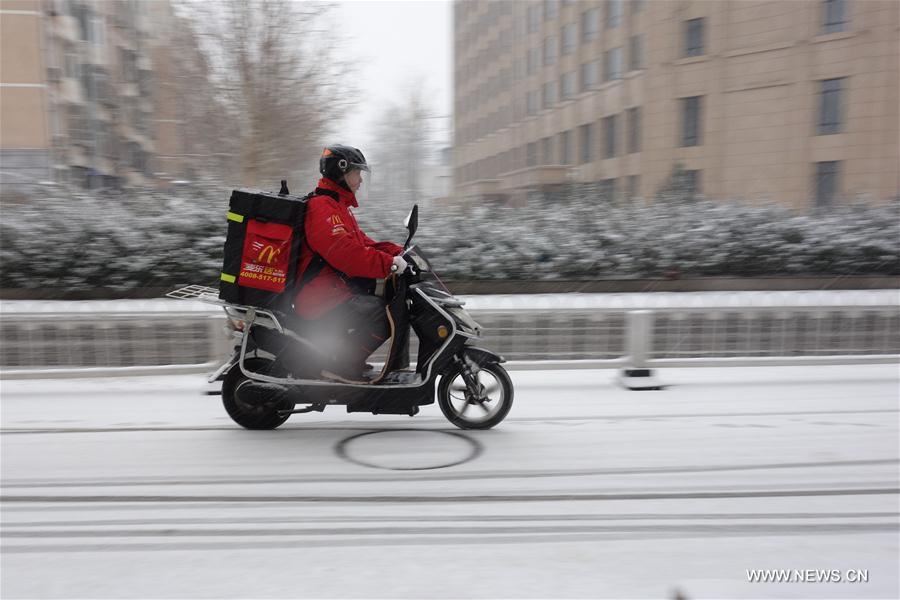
(276,371)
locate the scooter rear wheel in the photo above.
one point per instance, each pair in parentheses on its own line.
(252,415)
(482,410)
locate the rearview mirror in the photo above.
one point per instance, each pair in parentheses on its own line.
(411,222)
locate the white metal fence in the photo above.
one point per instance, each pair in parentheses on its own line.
(546,331)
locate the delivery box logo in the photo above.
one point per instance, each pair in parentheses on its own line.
(265,261)
(268,255)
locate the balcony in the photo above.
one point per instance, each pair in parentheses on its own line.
(76,157)
(482,187)
(96,55)
(128,90)
(70,91)
(65,27)
(534,177)
(108,99)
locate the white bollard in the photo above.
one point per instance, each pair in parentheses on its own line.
(639,333)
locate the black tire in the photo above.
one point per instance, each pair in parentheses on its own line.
(252,416)
(468,412)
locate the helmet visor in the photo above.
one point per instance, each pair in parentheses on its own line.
(365,177)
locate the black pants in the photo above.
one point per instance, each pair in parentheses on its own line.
(354,330)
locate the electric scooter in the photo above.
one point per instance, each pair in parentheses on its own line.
(277,369)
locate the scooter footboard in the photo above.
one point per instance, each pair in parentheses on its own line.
(392,401)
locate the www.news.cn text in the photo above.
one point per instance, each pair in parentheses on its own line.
(808,575)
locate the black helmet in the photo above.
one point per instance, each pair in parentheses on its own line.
(337,160)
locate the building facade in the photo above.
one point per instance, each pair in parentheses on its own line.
(794,102)
(89,93)
(25,144)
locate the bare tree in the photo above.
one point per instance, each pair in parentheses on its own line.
(403,147)
(210,130)
(274,66)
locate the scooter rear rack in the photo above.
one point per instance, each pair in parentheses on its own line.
(202,293)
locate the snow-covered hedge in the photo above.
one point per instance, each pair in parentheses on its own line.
(72,239)
(75,240)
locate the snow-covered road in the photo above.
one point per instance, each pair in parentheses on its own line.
(143,488)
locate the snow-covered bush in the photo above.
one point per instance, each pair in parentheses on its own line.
(77,240)
(72,239)
(586,238)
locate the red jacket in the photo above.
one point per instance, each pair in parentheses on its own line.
(333,233)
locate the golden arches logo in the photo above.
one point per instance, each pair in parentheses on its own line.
(272,253)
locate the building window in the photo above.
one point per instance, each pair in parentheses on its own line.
(826,184)
(550,51)
(609,135)
(608,189)
(73,67)
(101,86)
(589,75)
(145,84)
(634,130)
(97,32)
(693,37)
(549,94)
(531,154)
(691,182)
(76,125)
(569,38)
(830,106)
(551,9)
(565,148)
(834,16)
(613,13)
(691,119)
(106,142)
(586,134)
(87,82)
(636,53)
(613,64)
(634,185)
(534,18)
(531,102)
(534,60)
(567,85)
(590,24)
(547,151)
(83,16)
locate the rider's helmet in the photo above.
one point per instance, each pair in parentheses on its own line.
(337,160)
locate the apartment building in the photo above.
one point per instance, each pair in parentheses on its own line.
(795,102)
(25,145)
(88,93)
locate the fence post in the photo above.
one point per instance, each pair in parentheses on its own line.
(638,340)
(219,343)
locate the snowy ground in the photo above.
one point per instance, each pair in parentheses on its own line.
(142,487)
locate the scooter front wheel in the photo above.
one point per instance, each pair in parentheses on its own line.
(479,401)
